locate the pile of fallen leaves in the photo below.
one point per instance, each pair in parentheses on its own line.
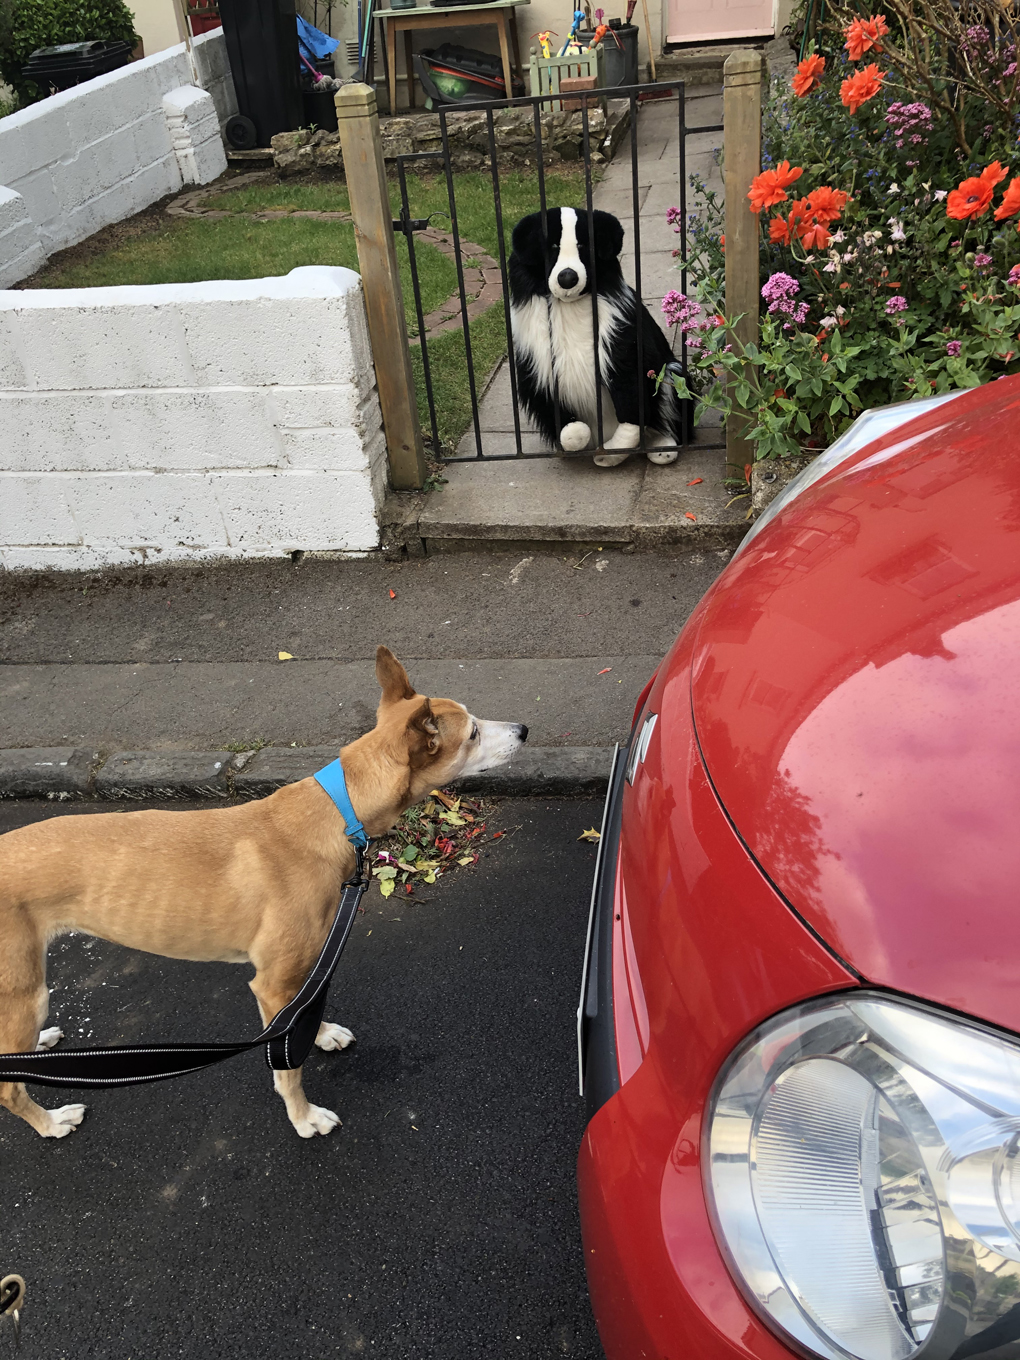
(429,839)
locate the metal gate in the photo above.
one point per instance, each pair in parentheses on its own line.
(472,446)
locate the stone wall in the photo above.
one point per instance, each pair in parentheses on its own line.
(414,133)
(188,421)
(103,150)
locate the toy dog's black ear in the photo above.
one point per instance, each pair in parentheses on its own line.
(529,243)
(608,235)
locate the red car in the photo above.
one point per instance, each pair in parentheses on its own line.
(800,1021)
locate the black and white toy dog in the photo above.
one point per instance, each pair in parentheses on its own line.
(550,295)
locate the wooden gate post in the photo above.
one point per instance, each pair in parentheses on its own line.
(742,76)
(361,145)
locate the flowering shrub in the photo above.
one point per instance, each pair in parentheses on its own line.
(895,274)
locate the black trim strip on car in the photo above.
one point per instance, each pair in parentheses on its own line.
(757,863)
(600,1073)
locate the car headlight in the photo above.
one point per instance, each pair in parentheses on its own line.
(864,1174)
(868,426)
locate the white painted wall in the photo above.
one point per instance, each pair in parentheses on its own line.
(188,421)
(108,148)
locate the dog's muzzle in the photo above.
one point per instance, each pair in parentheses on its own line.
(567,284)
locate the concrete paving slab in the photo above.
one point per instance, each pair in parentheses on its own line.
(311,703)
(542,498)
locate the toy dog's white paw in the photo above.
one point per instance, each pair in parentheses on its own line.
(63,1121)
(625,437)
(316,1120)
(610,459)
(662,456)
(49,1037)
(331,1037)
(575,436)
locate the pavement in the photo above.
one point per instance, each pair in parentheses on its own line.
(187,1218)
(559,498)
(180,665)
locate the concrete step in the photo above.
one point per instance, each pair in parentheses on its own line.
(542,502)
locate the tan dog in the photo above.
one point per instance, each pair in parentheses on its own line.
(254,884)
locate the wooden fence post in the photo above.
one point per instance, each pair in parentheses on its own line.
(742,76)
(361,145)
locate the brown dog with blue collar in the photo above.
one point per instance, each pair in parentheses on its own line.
(258,883)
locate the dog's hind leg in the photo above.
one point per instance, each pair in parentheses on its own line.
(24,1002)
(274,986)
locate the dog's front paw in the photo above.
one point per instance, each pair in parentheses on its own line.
(626,437)
(63,1121)
(575,436)
(316,1120)
(662,456)
(331,1037)
(49,1037)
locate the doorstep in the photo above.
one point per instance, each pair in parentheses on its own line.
(544,502)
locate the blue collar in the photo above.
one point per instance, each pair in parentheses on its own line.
(332,780)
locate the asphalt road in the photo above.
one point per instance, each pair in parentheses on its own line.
(187,1218)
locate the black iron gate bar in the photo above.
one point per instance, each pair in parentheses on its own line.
(634,94)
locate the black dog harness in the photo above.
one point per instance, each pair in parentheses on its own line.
(288,1038)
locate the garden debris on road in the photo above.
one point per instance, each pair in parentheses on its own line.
(430,838)
(591,835)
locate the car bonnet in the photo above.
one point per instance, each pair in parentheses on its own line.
(855,694)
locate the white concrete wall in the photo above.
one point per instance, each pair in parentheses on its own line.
(185,421)
(108,148)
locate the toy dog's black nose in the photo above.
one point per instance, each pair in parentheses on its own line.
(523,731)
(567,278)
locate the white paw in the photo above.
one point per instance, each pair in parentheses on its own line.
(625,437)
(330,1037)
(316,1120)
(49,1037)
(575,436)
(610,459)
(662,456)
(64,1121)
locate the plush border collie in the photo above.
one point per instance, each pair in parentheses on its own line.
(551,312)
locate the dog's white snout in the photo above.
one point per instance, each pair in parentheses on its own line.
(569,278)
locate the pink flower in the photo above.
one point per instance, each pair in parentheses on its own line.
(680,310)
(1014,276)
(982,261)
(895,304)
(953,348)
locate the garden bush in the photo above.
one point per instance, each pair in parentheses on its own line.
(28,24)
(889,246)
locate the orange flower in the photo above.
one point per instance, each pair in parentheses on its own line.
(779,231)
(1010,201)
(863,34)
(809,76)
(973,197)
(814,235)
(770,186)
(826,204)
(861,87)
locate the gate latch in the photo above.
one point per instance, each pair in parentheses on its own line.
(410,224)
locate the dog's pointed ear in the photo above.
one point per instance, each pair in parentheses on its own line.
(392,677)
(423,734)
(608,235)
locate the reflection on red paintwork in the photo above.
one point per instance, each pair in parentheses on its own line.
(854,698)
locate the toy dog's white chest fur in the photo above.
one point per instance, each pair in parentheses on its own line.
(557,337)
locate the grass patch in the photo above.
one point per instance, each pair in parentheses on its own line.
(476,218)
(187,251)
(448,366)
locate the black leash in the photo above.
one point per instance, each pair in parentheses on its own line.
(288,1038)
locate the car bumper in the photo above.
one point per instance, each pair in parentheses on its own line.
(691,948)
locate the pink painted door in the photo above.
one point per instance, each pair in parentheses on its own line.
(712,20)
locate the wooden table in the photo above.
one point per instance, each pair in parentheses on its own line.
(406,21)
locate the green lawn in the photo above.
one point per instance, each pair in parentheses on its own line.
(187,250)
